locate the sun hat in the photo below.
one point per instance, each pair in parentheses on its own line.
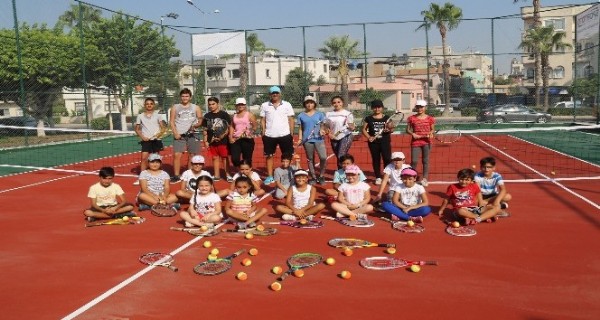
(408,172)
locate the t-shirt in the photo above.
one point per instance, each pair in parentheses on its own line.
(221,119)
(489,186)
(189,175)
(421,127)
(105,196)
(205,204)
(463,197)
(253,176)
(354,193)
(285,177)
(410,196)
(339,176)
(241,203)
(156,183)
(301,198)
(394,174)
(339,123)
(375,125)
(185,117)
(150,124)
(308,124)
(276,118)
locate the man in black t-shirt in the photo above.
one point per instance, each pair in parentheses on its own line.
(216,123)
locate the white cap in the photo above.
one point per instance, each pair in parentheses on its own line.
(154,157)
(398,155)
(198,159)
(300,172)
(240,101)
(421,103)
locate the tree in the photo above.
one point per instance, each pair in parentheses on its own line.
(340,50)
(253,45)
(544,40)
(70,18)
(368,95)
(296,85)
(537,22)
(445,18)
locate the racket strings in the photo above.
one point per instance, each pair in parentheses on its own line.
(155,258)
(213,267)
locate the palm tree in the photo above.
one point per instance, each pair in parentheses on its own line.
(340,49)
(253,45)
(537,22)
(70,18)
(546,41)
(445,18)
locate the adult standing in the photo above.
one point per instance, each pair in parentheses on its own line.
(342,125)
(309,128)
(381,147)
(241,135)
(420,126)
(217,122)
(147,125)
(277,121)
(184,118)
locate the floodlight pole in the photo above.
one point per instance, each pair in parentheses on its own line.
(165,57)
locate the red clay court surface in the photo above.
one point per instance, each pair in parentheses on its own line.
(541,263)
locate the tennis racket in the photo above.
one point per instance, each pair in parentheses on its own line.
(163,210)
(198,232)
(301,261)
(156,259)
(357,243)
(219,129)
(358,223)
(447,134)
(321,128)
(403,226)
(215,267)
(163,132)
(310,224)
(390,124)
(115,222)
(462,231)
(254,231)
(389,263)
(348,121)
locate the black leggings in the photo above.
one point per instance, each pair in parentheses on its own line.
(380,150)
(242,147)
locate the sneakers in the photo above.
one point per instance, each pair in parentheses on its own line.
(339,215)
(309,218)
(321,180)
(394,218)
(143,207)
(424,182)
(90,219)
(136,183)
(229,178)
(175,179)
(417,219)
(269,180)
(362,217)
(176,205)
(288,217)
(251,225)
(378,181)
(189,224)
(503,205)
(492,219)
(241,226)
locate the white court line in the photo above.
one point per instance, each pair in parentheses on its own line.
(541,174)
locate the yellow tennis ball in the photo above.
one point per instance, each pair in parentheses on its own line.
(330,261)
(260,227)
(204,228)
(253,251)
(207,244)
(347,252)
(346,274)
(246,262)
(275,286)
(391,250)
(212,257)
(125,218)
(455,224)
(415,268)
(241,276)
(136,218)
(410,223)
(299,273)
(214,252)
(277,270)
(249,236)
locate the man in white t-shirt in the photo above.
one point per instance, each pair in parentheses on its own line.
(277,121)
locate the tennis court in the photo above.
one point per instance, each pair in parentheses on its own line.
(540,263)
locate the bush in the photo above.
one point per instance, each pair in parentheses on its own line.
(469,112)
(432,111)
(569,112)
(100,124)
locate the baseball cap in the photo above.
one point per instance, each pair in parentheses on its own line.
(398,155)
(240,101)
(300,172)
(274,89)
(352,169)
(408,172)
(154,157)
(309,98)
(198,159)
(376,103)
(421,103)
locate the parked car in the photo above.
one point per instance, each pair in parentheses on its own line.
(567,104)
(512,113)
(455,103)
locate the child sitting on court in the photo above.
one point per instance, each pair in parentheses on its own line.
(107,198)
(300,199)
(392,174)
(205,205)
(187,191)
(154,185)
(339,177)
(493,189)
(465,197)
(409,201)
(284,176)
(353,197)
(241,204)
(246,171)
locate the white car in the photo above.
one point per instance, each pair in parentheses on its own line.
(440,108)
(567,105)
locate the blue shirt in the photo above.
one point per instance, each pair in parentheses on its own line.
(308,123)
(489,186)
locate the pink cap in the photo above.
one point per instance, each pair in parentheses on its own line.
(408,172)
(352,169)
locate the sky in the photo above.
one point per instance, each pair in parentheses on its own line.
(383,39)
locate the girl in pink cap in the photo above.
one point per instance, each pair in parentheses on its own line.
(410,199)
(354,196)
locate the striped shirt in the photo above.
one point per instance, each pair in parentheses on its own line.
(489,186)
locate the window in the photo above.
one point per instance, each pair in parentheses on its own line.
(588,71)
(530,73)
(235,73)
(2,112)
(79,108)
(324,68)
(557,23)
(110,108)
(268,73)
(558,72)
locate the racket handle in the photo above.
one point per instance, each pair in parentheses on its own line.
(285,274)
(387,245)
(429,263)
(173,268)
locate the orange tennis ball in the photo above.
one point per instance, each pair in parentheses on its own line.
(347,252)
(303,221)
(277,270)
(246,262)
(253,251)
(346,274)
(553,173)
(299,273)
(391,250)
(214,252)
(241,276)
(474,166)
(330,261)
(249,236)
(260,227)
(207,244)
(455,224)
(275,286)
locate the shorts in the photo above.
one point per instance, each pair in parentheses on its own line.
(219,150)
(475,210)
(187,143)
(491,195)
(152,146)
(286,145)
